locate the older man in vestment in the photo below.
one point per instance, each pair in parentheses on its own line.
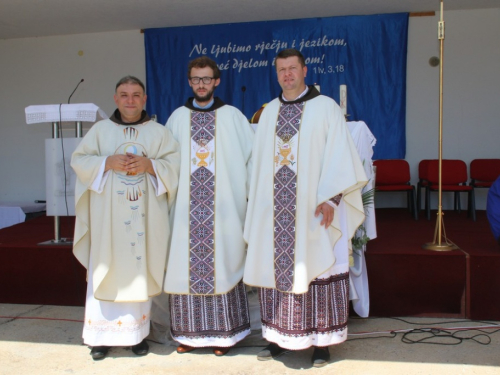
(304,206)
(208,301)
(127,169)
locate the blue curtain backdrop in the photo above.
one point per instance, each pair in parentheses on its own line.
(366,53)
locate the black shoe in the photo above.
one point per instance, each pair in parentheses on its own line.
(141,349)
(99,352)
(320,357)
(271,351)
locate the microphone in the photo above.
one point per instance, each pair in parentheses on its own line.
(75,89)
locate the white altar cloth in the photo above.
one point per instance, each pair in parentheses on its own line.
(12,213)
(358,276)
(86,112)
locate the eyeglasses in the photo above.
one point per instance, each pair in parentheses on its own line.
(205,80)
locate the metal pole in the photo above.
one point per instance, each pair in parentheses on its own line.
(437,244)
(57,223)
(78,129)
(440,203)
(55,130)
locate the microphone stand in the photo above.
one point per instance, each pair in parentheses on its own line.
(57,133)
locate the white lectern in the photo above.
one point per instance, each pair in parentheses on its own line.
(60,178)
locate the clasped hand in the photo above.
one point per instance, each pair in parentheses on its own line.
(130,163)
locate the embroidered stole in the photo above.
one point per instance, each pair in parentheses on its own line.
(285,193)
(202,204)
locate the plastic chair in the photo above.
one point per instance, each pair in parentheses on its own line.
(393,175)
(454,179)
(483,172)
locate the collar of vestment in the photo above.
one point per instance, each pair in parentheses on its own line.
(116,117)
(311,94)
(199,106)
(217,104)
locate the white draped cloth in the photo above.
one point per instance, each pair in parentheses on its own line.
(359,293)
(11,215)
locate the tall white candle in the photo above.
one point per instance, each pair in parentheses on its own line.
(343,99)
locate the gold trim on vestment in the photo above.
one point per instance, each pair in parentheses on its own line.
(214,153)
(296,190)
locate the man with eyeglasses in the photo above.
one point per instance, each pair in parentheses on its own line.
(207,298)
(303,208)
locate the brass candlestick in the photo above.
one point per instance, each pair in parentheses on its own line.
(437,244)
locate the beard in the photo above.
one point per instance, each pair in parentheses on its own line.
(205,98)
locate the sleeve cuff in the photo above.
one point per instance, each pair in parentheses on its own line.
(100,181)
(335,201)
(158,185)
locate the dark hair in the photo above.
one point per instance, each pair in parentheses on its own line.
(132,80)
(203,62)
(290,52)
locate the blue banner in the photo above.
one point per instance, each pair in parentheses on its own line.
(365,53)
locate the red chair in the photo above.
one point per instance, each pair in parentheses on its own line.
(423,182)
(483,172)
(394,175)
(454,179)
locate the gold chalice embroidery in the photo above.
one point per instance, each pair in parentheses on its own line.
(202,153)
(285,149)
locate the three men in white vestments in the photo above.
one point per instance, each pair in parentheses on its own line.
(304,206)
(207,298)
(127,174)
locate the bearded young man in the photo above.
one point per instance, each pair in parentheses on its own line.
(208,301)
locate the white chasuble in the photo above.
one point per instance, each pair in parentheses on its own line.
(298,168)
(207,251)
(122,232)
